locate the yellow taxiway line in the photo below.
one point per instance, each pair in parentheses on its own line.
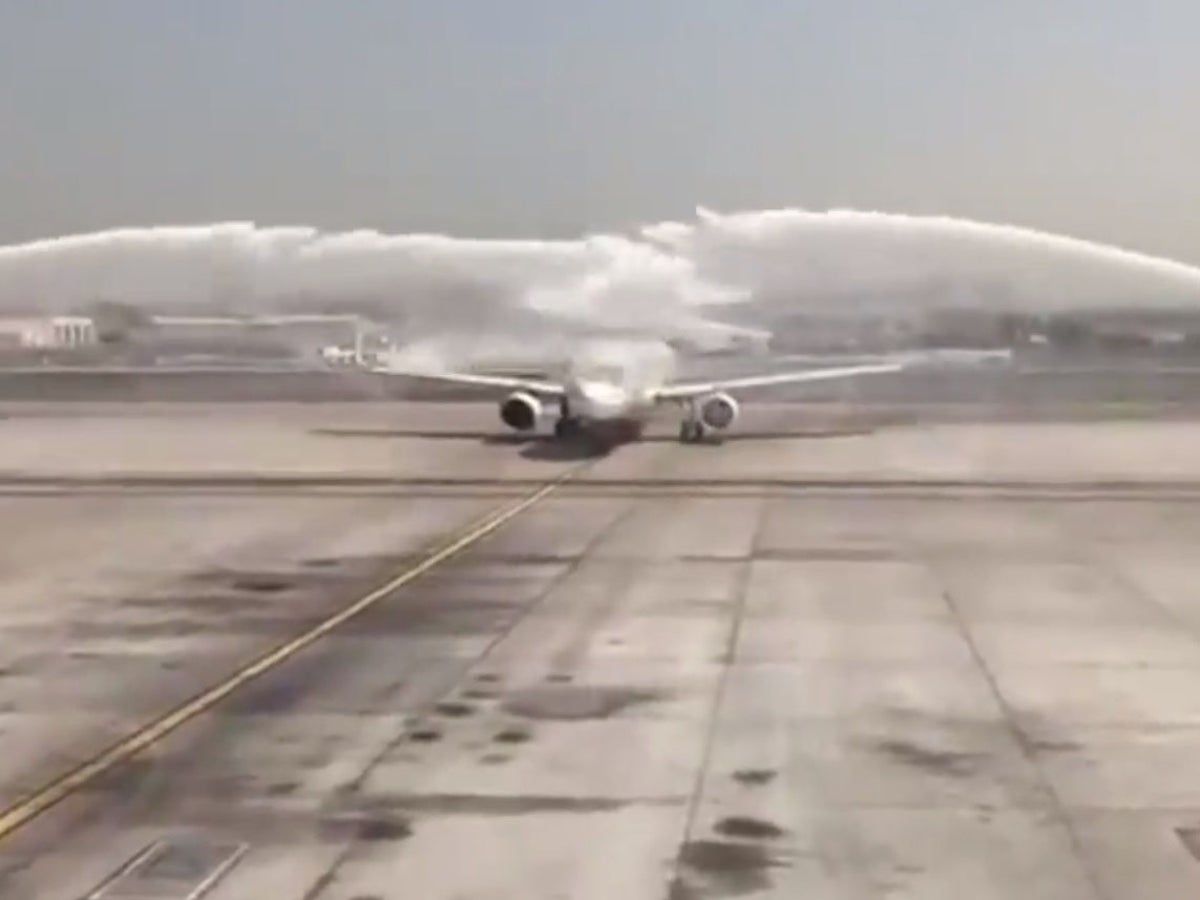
(63,786)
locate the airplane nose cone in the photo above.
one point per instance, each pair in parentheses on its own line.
(601,400)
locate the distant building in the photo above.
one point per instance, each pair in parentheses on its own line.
(258,336)
(52,333)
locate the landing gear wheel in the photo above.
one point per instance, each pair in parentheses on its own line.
(690,432)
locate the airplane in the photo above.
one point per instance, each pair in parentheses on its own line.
(611,400)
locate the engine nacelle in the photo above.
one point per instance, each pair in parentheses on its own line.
(718,411)
(521,411)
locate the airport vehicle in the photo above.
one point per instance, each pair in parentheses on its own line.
(611,396)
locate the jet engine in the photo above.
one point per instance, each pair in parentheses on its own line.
(718,411)
(521,411)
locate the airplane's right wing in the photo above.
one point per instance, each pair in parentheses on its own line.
(501,382)
(685,390)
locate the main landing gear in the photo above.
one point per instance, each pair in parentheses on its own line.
(691,431)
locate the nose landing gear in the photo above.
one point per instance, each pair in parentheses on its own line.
(566,428)
(691,429)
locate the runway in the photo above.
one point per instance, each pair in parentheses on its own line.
(856,657)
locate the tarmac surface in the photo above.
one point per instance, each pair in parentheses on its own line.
(844,655)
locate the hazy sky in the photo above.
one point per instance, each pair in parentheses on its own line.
(548,117)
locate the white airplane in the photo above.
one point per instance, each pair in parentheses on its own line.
(611,399)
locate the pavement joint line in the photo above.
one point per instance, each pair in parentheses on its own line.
(678,868)
(208,482)
(62,786)
(1056,808)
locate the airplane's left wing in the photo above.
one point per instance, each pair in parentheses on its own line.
(685,390)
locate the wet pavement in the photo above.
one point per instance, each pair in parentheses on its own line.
(860,659)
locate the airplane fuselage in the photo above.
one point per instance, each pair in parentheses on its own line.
(605,410)
(609,390)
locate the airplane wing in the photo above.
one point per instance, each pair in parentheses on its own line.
(502,382)
(684,390)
